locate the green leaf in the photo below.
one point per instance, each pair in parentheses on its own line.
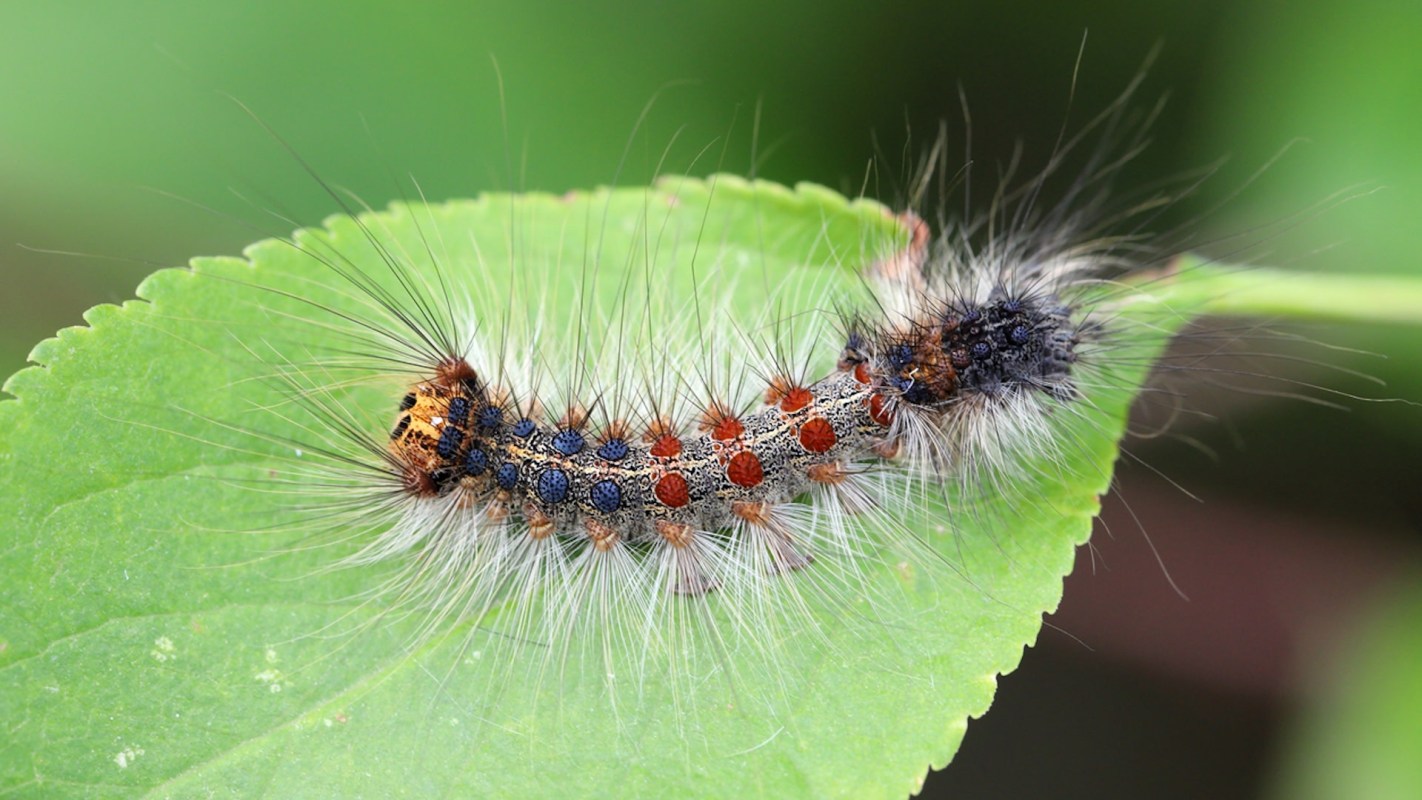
(165,629)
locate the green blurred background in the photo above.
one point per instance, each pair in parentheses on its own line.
(1266,682)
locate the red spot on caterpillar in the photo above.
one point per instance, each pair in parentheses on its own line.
(744,470)
(877,412)
(861,373)
(796,399)
(817,435)
(666,446)
(671,490)
(727,429)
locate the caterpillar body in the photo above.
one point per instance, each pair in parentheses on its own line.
(609,486)
(672,474)
(455,444)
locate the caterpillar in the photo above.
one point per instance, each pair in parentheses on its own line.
(484,483)
(599,487)
(454,441)
(714,472)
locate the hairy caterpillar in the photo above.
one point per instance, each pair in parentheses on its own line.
(661,476)
(598,314)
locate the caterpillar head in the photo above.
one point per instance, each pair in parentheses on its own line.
(1011,344)
(1007,346)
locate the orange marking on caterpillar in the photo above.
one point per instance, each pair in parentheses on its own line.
(887,450)
(754,513)
(676,534)
(498,509)
(658,427)
(540,525)
(604,537)
(778,388)
(417,481)
(454,371)
(906,266)
(616,429)
(573,418)
(787,558)
(831,474)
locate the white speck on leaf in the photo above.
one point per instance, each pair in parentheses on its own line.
(127,756)
(273,678)
(163,649)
